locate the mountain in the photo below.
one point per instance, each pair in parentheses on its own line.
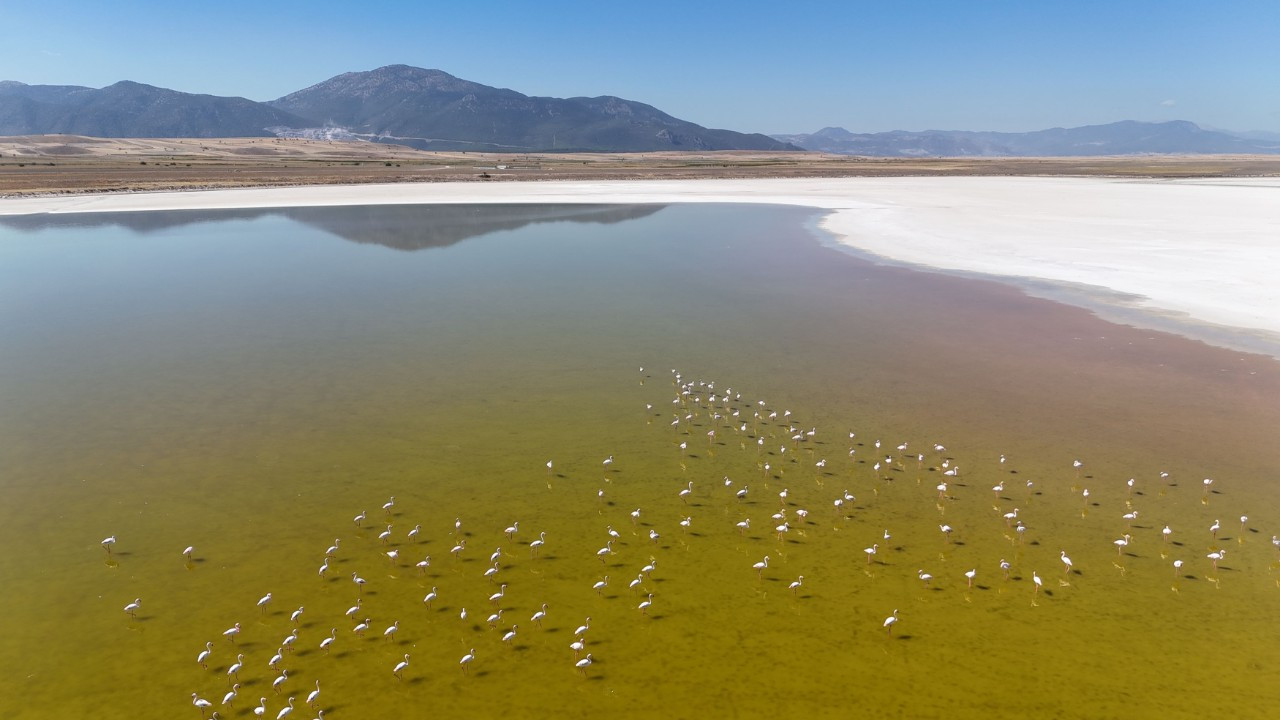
(426,109)
(130,109)
(431,109)
(1119,138)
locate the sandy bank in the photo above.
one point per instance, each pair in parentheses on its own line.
(1195,257)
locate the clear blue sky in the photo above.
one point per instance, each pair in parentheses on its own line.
(750,66)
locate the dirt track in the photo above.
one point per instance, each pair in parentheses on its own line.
(71,164)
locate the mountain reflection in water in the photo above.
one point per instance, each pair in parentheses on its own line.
(400,227)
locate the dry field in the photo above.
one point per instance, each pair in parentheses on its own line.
(73,164)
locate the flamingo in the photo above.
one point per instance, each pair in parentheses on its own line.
(132,608)
(359,519)
(314,695)
(333,549)
(385,535)
(285,712)
(296,614)
(536,545)
(1215,557)
(970,574)
(760,567)
(605,551)
(262,708)
(889,622)
(467,659)
(230,697)
(234,670)
(400,666)
(511,635)
(108,542)
(924,577)
(497,597)
(1035,578)
(585,626)
(1214,529)
(278,682)
(539,616)
(231,632)
(325,643)
(351,611)
(684,494)
(600,585)
(359,581)
(644,605)
(204,655)
(262,603)
(1066,562)
(413,534)
(794,587)
(390,632)
(512,529)
(871,552)
(1121,544)
(430,598)
(389,505)
(200,703)
(187,552)
(583,664)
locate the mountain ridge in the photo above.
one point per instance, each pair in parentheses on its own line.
(421,108)
(1125,137)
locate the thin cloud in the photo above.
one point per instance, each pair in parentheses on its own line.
(1169,103)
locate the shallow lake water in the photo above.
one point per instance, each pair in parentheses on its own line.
(248,382)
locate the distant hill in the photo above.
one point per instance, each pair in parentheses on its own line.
(130,109)
(434,110)
(1119,138)
(426,109)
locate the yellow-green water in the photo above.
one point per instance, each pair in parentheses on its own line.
(248,385)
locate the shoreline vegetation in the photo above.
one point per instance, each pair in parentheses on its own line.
(68,164)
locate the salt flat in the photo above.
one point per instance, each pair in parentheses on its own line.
(1197,257)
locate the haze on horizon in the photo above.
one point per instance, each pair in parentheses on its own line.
(748,66)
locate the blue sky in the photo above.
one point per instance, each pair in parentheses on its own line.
(750,66)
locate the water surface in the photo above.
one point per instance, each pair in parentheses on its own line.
(247,382)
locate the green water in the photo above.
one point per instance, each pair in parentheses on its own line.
(248,382)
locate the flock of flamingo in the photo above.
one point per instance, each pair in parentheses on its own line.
(810,493)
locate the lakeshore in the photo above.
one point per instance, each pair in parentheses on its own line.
(1189,256)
